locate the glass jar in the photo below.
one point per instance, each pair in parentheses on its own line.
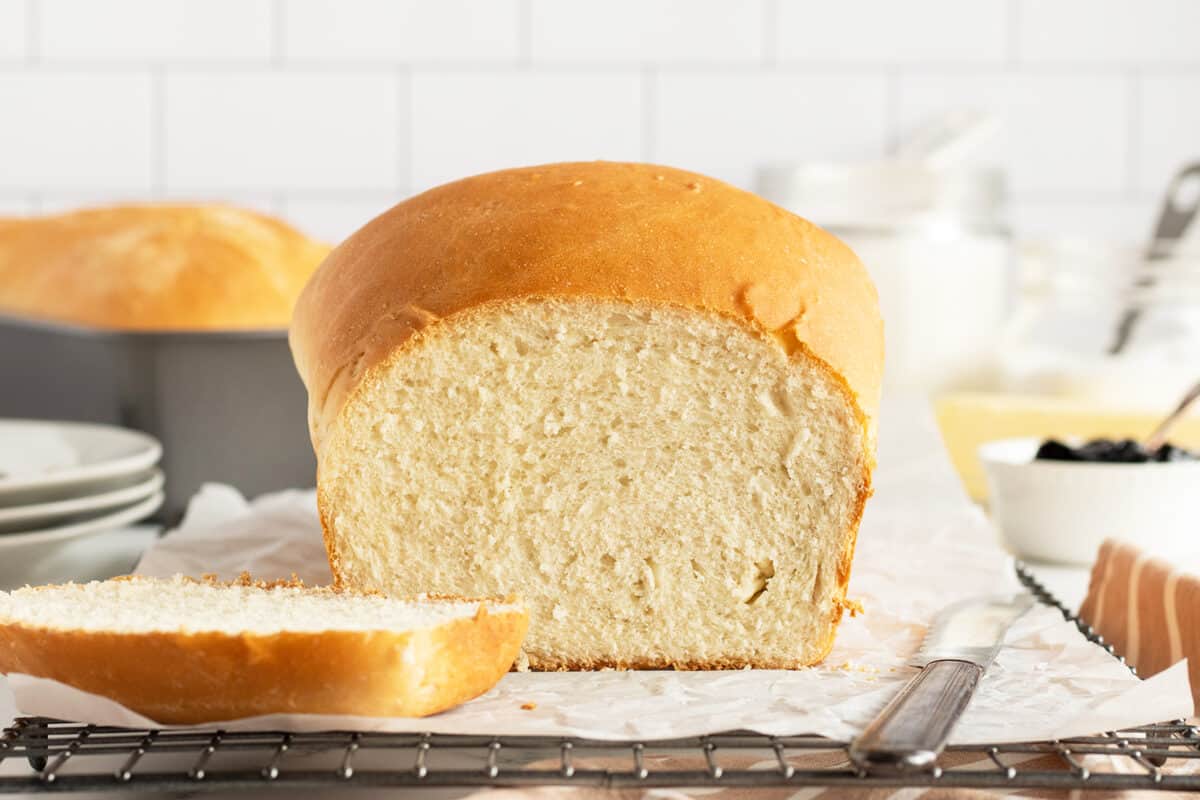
(935,243)
(1104,324)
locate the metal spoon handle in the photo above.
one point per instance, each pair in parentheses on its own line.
(1159,437)
(1173,221)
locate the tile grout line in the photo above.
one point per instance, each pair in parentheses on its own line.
(1077,197)
(305,194)
(405,157)
(338,194)
(1133,131)
(649,108)
(33,30)
(770,24)
(1012,40)
(891,109)
(525,33)
(278,32)
(158,131)
(814,69)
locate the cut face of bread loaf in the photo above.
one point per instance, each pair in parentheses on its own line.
(182,651)
(638,397)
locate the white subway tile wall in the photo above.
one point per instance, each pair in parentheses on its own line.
(639,32)
(1126,221)
(330,218)
(280,131)
(15,206)
(329,111)
(13,34)
(883,33)
(1058,135)
(142,31)
(727,124)
(401,31)
(1151,32)
(469,122)
(1168,126)
(63,130)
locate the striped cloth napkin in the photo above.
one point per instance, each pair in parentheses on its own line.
(1148,608)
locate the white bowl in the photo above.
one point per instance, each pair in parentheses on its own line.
(1060,511)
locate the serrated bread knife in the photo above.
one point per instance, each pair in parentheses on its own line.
(909,734)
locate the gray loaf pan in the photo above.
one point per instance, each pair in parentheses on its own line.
(228,406)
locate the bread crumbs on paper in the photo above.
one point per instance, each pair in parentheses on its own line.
(867,669)
(528,706)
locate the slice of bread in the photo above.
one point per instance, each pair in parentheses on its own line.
(639,397)
(182,651)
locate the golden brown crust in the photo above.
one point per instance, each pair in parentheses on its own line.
(155,267)
(850,537)
(331,551)
(190,678)
(633,232)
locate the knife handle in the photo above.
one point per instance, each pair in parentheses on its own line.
(909,734)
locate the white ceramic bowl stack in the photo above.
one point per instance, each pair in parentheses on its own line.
(64,482)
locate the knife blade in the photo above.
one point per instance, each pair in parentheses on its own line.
(911,731)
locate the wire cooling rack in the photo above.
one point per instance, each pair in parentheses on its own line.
(45,755)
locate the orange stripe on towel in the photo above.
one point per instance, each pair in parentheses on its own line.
(1133,619)
(1171,612)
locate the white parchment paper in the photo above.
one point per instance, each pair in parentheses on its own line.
(922,546)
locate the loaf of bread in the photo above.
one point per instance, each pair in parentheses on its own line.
(182,651)
(639,397)
(155,267)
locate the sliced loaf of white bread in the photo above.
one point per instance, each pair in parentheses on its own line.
(184,651)
(639,397)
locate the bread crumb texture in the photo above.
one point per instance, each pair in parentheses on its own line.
(663,486)
(182,604)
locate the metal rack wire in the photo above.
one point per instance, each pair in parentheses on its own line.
(46,755)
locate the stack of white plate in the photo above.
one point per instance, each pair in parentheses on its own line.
(62,482)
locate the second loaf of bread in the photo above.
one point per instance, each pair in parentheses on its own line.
(155,267)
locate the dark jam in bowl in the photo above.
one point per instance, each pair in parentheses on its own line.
(1111,451)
